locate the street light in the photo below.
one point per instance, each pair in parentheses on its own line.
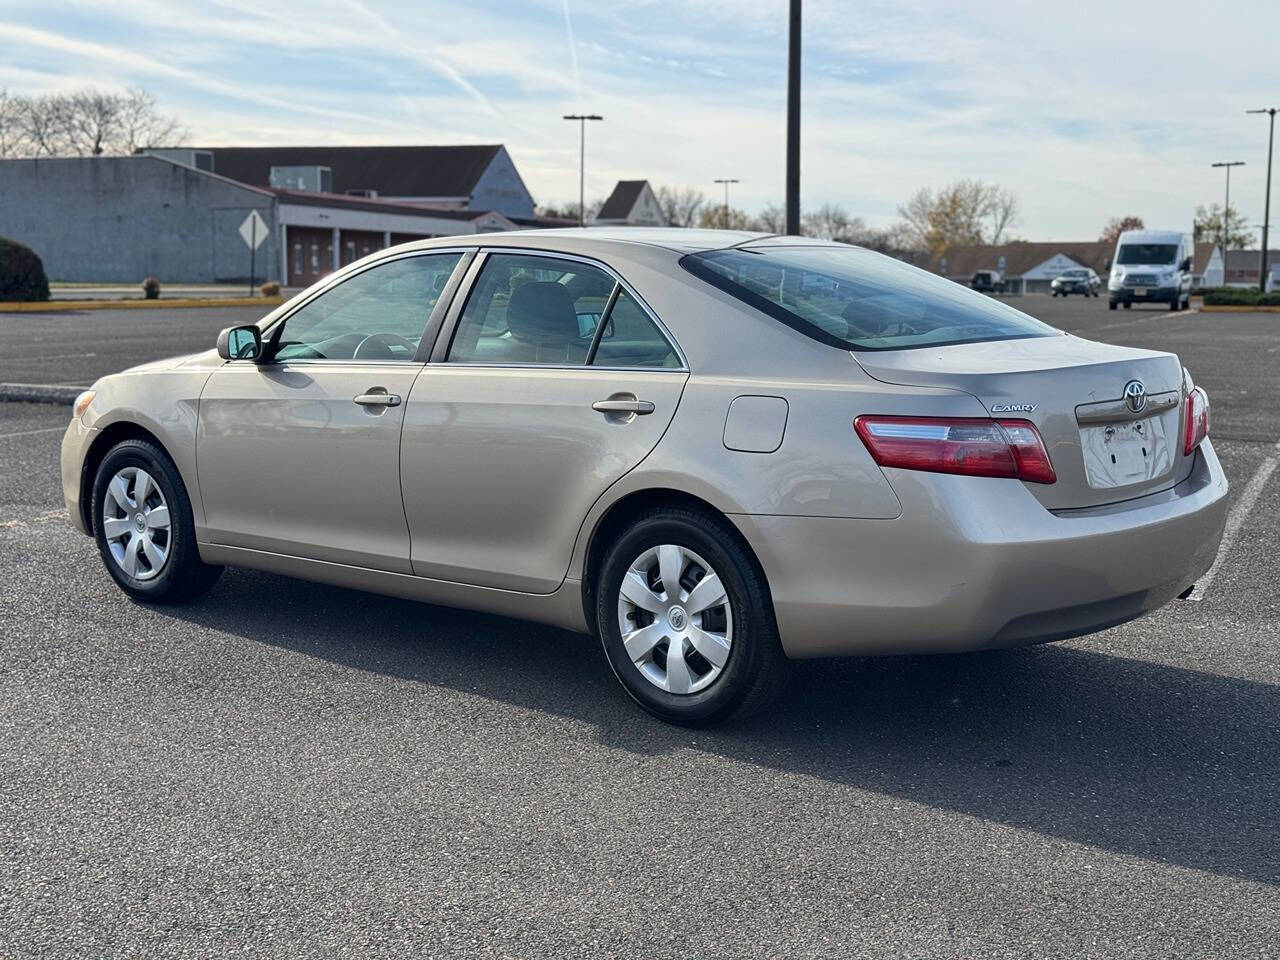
(793,120)
(1226,207)
(726,183)
(1266,209)
(582,119)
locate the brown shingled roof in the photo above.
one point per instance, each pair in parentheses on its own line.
(449,171)
(624,197)
(1022,255)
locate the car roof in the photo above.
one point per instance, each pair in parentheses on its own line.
(676,239)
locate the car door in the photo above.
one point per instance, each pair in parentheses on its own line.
(299,454)
(553,381)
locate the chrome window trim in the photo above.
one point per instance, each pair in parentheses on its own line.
(450,327)
(342,275)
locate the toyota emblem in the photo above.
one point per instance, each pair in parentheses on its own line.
(1135,396)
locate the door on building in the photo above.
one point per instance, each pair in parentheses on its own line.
(300,454)
(310,255)
(360,243)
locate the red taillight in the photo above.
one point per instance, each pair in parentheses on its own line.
(1197,419)
(971,446)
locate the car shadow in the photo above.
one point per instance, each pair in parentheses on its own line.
(1152,761)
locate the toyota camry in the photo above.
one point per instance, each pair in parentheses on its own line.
(713,450)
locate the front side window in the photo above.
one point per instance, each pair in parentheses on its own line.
(528,309)
(854,299)
(378,314)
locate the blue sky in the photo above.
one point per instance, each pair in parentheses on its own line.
(1086,112)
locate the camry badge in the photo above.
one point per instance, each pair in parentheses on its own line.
(1013,407)
(1135,396)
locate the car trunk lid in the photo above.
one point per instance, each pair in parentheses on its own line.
(1104,449)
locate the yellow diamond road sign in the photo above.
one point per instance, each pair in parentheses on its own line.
(253,230)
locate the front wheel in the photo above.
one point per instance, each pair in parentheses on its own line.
(1111,304)
(143,524)
(684,615)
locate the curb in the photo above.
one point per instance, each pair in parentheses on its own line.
(51,306)
(1240,308)
(39,393)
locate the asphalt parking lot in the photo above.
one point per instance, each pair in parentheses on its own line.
(290,769)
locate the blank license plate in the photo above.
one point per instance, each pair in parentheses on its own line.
(1139,291)
(1118,454)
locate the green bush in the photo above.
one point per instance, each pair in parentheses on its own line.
(21,273)
(1239,297)
(150,288)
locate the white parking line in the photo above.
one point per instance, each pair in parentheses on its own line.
(1236,518)
(31,433)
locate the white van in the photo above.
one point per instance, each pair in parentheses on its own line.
(1152,266)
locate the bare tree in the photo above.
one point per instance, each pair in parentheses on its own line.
(832,222)
(772,219)
(10,130)
(1118,225)
(42,122)
(715,217)
(143,125)
(964,212)
(681,205)
(87,123)
(93,120)
(569,211)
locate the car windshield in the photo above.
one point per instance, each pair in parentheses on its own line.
(1151,254)
(858,300)
(1074,273)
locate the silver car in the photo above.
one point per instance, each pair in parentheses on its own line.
(714,450)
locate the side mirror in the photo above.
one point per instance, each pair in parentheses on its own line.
(240,343)
(1186,264)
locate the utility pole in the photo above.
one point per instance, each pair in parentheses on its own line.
(726,183)
(1266,209)
(1226,209)
(793,120)
(582,119)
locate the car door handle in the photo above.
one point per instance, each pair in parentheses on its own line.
(377,400)
(641,407)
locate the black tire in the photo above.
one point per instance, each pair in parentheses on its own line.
(1128,304)
(184,576)
(1175,304)
(1111,304)
(756,668)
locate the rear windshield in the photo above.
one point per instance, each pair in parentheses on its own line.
(1151,254)
(858,300)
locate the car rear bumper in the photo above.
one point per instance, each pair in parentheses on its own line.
(974,563)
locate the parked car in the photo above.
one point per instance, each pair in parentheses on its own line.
(721,473)
(987,281)
(1152,266)
(1083,281)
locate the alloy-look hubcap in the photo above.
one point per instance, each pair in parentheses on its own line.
(135,523)
(675,619)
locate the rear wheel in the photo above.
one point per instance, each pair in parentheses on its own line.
(143,524)
(1128,304)
(1111,304)
(684,615)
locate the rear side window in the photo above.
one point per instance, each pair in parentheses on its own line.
(858,300)
(529,309)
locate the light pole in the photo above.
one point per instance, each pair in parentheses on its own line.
(726,183)
(582,119)
(793,120)
(1226,209)
(1266,209)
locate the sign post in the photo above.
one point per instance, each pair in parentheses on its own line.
(253,231)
